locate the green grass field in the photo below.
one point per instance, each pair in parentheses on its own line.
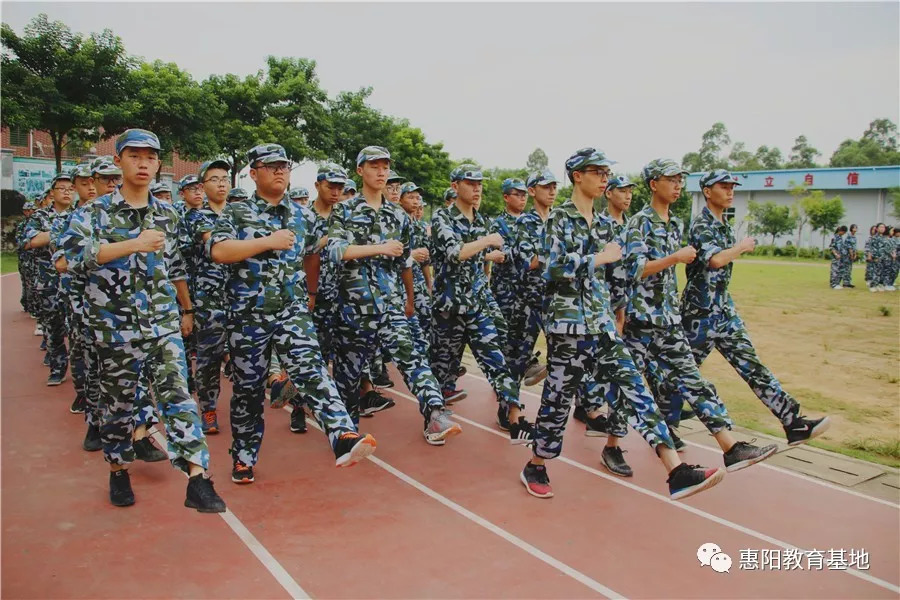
(8,262)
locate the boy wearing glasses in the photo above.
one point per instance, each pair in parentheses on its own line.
(269,241)
(653,330)
(582,342)
(369,238)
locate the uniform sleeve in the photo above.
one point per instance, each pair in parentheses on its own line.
(79,243)
(617,278)
(312,229)
(563,262)
(225,228)
(339,239)
(405,238)
(705,241)
(36,224)
(447,245)
(636,248)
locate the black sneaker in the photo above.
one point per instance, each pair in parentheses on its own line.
(382,380)
(56,379)
(298,420)
(679,443)
(802,429)
(742,455)
(461,371)
(352,448)
(521,432)
(92,441)
(536,481)
(202,495)
(78,405)
(614,460)
(849,285)
(579,414)
(120,493)
(46,360)
(241,473)
(687,480)
(597,427)
(144,450)
(503,418)
(372,403)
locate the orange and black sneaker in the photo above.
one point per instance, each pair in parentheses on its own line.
(241,473)
(209,422)
(352,448)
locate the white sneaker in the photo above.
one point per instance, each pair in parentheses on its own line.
(874,288)
(837,287)
(890,288)
(38,330)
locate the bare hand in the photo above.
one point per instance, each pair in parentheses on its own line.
(535,263)
(410,309)
(747,245)
(420,255)
(392,248)
(611,253)
(312,303)
(187,325)
(150,240)
(495,256)
(61,264)
(686,255)
(494,240)
(283,239)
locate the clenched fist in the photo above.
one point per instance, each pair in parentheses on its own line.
(150,240)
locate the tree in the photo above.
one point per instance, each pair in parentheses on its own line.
(884,133)
(709,156)
(60,82)
(428,165)
(537,161)
(492,203)
(356,125)
(826,215)
(878,146)
(803,156)
(769,158)
(894,194)
(807,203)
(770,219)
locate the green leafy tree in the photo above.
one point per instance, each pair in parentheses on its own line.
(803,155)
(537,161)
(768,218)
(354,126)
(826,215)
(878,146)
(806,204)
(492,203)
(709,157)
(414,158)
(60,82)
(894,197)
(769,158)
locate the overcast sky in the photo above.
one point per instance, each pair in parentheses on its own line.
(495,81)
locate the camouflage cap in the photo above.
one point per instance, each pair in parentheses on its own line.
(661,167)
(237,194)
(267,153)
(349,185)
(585,158)
(394,176)
(545,177)
(160,187)
(467,171)
(29,205)
(104,166)
(509,184)
(298,192)
(718,176)
(137,138)
(186,181)
(81,170)
(620,181)
(372,153)
(64,176)
(331,173)
(449,194)
(409,187)
(216,163)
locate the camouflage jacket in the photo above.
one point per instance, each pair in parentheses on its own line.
(531,230)
(837,247)
(272,280)
(207,278)
(616,272)
(43,220)
(420,239)
(503,275)
(577,294)
(130,298)
(328,270)
(706,289)
(187,247)
(850,245)
(369,286)
(652,299)
(77,284)
(459,286)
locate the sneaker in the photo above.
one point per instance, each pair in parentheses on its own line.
(521,432)
(454,395)
(503,418)
(687,480)
(743,455)
(43,346)
(439,427)
(679,443)
(282,392)
(209,422)
(241,473)
(382,380)
(534,374)
(145,450)
(78,405)
(46,360)
(579,414)
(875,288)
(56,379)
(536,481)
(38,330)
(802,429)
(298,420)
(372,403)
(461,371)
(92,441)
(597,427)
(202,495)
(352,448)
(614,460)
(889,288)
(120,493)
(849,285)
(837,287)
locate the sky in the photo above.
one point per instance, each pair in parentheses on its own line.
(495,81)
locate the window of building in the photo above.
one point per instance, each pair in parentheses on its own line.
(728,215)
(18,136)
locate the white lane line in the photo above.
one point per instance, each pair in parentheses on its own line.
(254,545)
(691,509)
(763,465)
(482,522)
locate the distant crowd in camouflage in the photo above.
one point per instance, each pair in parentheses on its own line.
(301,299)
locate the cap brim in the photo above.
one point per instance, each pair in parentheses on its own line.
(376,157)
(139,144)
(335,180)
(272,158)
(675,171)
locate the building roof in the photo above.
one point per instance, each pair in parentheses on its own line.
(841,178)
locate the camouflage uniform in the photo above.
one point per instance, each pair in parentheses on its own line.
(850,250)
(883,259)
(464,309)
(420,238)
(132,313)
(189,252)
(837,263)
(269,313)
(870,264)
(505,284)
(530,234)
(710,319)
(372,302)
(26,266)
(653,330)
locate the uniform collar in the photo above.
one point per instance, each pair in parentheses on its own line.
(117,202)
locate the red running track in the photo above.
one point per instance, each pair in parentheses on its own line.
(417,521)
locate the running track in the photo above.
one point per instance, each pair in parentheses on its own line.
(415,521)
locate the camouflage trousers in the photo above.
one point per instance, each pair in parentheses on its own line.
(120,368)
(253,338)
(840,272)
(870,271)
(664,356)
(576,362)
(506,295)
(325,318)
(422,298)
(531,323)
(727,334)
(211,329)
(77,352)
(360,335)
(453,331)
(23,272)
(884,272)
(53,321)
